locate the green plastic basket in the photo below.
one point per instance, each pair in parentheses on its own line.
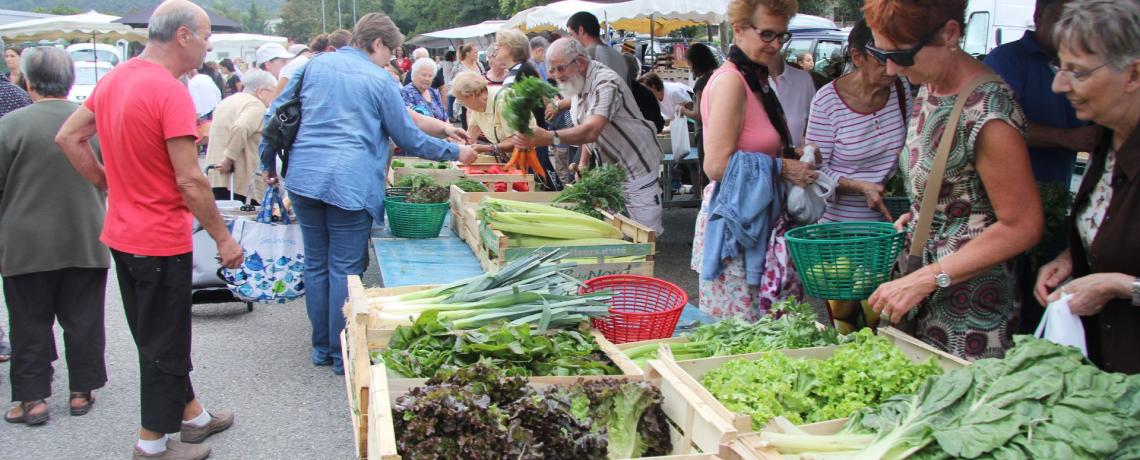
(844,260)
(897,205)
(414,220)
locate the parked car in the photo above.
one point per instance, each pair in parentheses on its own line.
(86,75)
(98,52)
(990,23)
(648,56)
(820,37)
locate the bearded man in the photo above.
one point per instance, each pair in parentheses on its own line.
(607,120)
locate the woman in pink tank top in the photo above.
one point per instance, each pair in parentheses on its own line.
(734,119)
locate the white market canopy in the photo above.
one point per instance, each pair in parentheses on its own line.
(76,26)
(667,15)
(245,40)
(451,37)
(555,15)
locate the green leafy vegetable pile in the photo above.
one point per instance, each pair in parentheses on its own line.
(522,98)
(415,180)
(429,347)
(791,326)
(1042,401)
(468,185)
(862,373)
(476,414)
(429,194)
(597,187)
(397,164)
(895,185)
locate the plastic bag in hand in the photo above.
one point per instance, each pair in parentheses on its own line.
(1061,326)
(807,205)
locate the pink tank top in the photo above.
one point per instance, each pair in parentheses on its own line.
(757,134)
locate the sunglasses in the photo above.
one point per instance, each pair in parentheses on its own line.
(903,58)
(768,35)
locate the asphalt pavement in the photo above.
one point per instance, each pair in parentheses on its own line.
(256,363)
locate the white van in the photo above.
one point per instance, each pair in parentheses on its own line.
(990,23)
(98,52)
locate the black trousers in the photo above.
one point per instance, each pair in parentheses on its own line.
(222,193)
(75,297)
(156,298)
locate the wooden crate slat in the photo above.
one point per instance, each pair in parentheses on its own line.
(381,429)
(574,252)
(358,417)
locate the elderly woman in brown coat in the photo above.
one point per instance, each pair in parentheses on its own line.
(234,137)
(1099,71)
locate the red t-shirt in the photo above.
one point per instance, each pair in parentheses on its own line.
(138,106)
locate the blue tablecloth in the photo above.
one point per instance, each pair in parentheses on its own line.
(412,262)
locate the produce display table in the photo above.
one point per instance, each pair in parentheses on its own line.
(669,168)
(411,262)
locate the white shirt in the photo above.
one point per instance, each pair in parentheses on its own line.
(290,69)
(795,89)
(205,94)
(674,94)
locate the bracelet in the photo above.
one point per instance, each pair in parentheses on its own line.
(783,169)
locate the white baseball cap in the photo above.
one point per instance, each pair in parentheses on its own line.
(271,51)
(298,48)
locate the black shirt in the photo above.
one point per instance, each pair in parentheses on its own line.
(647,103)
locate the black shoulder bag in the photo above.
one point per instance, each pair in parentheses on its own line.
(281,130)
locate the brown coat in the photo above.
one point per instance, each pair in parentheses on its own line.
(235,134)
(1113,335)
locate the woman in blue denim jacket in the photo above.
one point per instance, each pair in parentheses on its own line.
(350,108)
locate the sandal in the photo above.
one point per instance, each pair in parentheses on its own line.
(5,352)
(27,417)
(84,409)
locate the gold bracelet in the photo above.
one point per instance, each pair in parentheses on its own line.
(783,169)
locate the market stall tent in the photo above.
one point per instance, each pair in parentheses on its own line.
(518,21)
(218,23)
(86,26)
(452,37)
(663,16)
(555,15)
(244,45)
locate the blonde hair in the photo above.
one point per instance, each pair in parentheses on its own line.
(468,84)
(740,11)
(515,43)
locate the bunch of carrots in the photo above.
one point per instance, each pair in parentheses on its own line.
(522,98)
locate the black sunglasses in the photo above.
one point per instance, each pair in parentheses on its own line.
(903,58)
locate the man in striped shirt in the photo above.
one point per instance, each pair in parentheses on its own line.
(607,118)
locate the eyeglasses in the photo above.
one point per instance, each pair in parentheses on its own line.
(1073,75)
(768,36)
(561,69)
(903,58)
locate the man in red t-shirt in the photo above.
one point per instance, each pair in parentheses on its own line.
(146,124)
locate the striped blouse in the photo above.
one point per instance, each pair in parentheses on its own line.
(856,145)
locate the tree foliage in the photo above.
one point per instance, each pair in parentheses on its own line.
(60,8)
(300,20)
(229,12)
(253,21)
(429,15)
(844,10)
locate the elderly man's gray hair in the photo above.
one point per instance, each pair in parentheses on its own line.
(49,70)
(255,80)
(420,53)
(539,42)
(422,63)
(163,27)
(567,49)
(1106,28)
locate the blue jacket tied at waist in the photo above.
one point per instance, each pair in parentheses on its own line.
(743,208)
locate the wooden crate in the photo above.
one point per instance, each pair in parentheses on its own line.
(694,370)
(493,249)
(700,437)
(360,340)
(443,176)
(750,447)
(625,346)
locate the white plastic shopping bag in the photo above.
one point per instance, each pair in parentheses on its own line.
(1061,326)
(679,130)
(807,205)
(273,269)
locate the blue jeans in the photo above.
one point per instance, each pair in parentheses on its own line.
(450,107)
(336,245)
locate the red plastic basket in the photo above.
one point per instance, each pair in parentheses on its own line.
(642,308)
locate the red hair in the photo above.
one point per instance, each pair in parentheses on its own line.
(909,21)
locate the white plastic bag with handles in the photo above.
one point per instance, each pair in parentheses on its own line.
(1061,326)
(679,130)
(807,205)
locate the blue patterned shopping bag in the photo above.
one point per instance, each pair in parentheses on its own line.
(273,269)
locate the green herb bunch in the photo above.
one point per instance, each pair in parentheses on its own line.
(521,99)
(597,187)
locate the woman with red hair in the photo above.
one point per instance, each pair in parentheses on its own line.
(964,299)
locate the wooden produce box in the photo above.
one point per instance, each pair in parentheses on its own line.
(701,435)
(443,176)
(360,336)
(751,447)
(625,346)
(493,249)
(694,370)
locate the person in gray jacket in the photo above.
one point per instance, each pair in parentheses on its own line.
(54,266)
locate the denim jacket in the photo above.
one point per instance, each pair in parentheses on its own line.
(350,108)
(742,210)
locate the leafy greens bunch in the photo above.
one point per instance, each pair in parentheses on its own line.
(862,373)
(415,180)
(1041,401)
(428,194)
(521,99)
(791,326)
(597,187)
(429,346)
(477,414)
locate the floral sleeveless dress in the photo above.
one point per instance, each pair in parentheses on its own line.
(977,318)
